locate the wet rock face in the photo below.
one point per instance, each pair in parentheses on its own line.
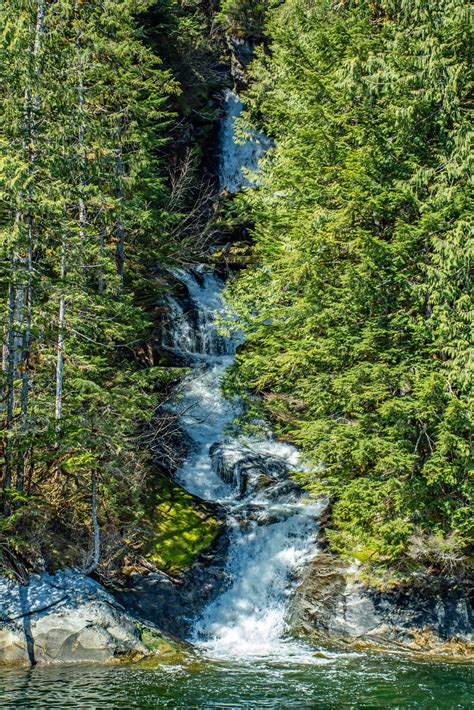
(64,618)
(329,606)
(250,471)
(313,607)
(242,51)
(173,603)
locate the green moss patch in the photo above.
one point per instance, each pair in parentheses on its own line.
(183,527)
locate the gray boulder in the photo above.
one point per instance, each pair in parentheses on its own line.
(65,618)
(250,471)
(329,605)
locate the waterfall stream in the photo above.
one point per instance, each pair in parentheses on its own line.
(237,155)
(272,528)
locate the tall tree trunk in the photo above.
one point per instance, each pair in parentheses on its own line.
(32,108)
(81,134)
(6,335)
(10,379)
(25,377)
(82,218)
(102,235)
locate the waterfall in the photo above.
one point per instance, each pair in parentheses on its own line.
(236,158)
(272,529)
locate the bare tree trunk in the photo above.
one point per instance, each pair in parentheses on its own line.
(81,135)
(82,216)
(32,107)
(26,345)
(5,341)
(39,31)
(119,229)
(3,397)
(102,234)
(10,384)
(19,299)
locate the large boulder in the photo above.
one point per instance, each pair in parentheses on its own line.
(251,471)
(68,617)
(331,606)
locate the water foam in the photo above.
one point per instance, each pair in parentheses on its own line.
(238,157)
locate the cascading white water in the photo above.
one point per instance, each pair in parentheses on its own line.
(272,532)
(248,619)
(192,331)
(237,157)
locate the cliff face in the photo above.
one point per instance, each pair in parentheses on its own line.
(330,606)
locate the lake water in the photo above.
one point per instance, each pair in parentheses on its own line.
(335,681)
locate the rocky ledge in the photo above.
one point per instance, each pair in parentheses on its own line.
(330,606)
(68,618)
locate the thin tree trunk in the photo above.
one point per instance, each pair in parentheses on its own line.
(19,300)
(119,229)
(102,234)
(6,335)
(7,476)
(32,107)
(81,135)
(25,377)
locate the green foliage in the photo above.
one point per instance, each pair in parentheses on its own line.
(357,311)
(243,18)
(182,32)
(85,216)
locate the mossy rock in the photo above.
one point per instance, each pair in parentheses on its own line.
(162,645)
(183,527)
(163,649)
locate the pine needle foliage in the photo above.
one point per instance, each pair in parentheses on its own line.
(85,110)
(358,310)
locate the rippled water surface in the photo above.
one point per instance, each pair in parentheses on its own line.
(336,681)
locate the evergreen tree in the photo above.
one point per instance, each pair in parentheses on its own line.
(358,311)
(84,116)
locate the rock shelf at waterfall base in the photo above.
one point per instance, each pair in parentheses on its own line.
(70,618)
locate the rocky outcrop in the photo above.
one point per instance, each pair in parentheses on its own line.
(242,51)
(68,618)
(251,471)
(172,604)
(330,606)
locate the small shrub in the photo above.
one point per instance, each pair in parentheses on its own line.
(437,552)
